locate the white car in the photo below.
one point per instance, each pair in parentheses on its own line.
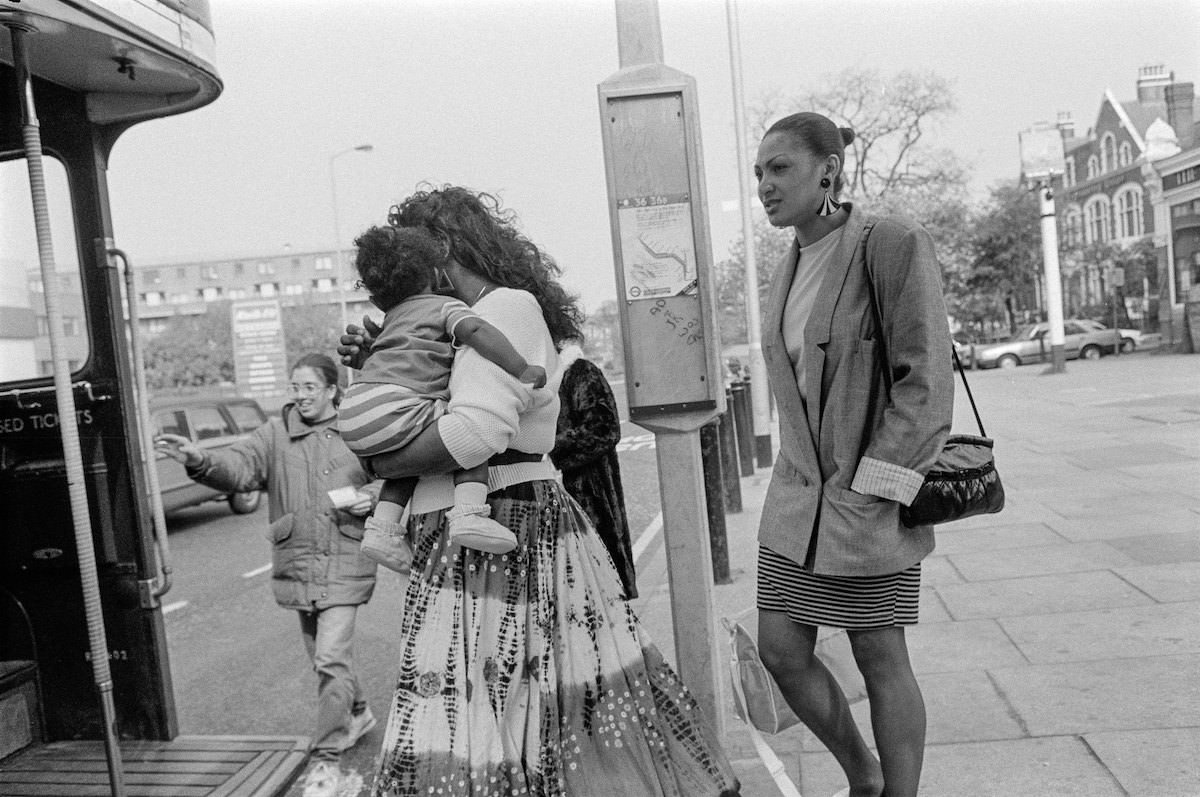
(1131,339)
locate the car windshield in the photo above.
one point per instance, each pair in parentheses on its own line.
(1024,333)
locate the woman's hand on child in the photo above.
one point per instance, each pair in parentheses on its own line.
(355,345)
(534,375)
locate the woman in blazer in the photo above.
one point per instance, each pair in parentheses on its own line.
(832,550)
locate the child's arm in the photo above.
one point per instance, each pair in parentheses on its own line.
(492,344)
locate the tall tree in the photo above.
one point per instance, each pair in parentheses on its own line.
(192,351)
(1006,267)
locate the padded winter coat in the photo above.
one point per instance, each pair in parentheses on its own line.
(316,561)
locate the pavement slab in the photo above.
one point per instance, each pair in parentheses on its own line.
(1151,763)
(1170,518)
(1125,633)
(1165,583)
(1039,560)
(1160,549)
(1055,767)
(1037,595)
(1110,695)
(1112,503)
(1109,458)
(995,538)
(960,646)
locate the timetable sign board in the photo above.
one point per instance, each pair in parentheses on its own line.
(259,355)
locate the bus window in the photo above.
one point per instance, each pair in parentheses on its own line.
(24,325)
(171,423)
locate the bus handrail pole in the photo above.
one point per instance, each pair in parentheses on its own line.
(151,593)
(68,423)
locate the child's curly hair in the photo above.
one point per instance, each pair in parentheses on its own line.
(396,263)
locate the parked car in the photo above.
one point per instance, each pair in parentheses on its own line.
(1030,344)
(209,422)
(963,348)
(1131,339)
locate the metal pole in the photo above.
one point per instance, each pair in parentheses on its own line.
(714,494)
(65,399)
(758,366)
(343,283)
(1054,310)
(729,457)
(681,474)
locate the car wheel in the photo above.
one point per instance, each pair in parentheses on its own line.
(1091,352)
(245,503)
(1127,345)
(1008,361)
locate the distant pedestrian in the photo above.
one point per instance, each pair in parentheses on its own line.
(832,549)
(585,450)
(317,568)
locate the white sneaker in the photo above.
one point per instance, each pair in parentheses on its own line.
(323,780)
(360,725)
(470,527)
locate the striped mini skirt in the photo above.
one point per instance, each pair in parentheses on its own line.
(852,602)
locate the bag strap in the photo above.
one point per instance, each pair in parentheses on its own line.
(771,761)
(887,365)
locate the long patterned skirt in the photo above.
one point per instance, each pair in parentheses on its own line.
(527,674)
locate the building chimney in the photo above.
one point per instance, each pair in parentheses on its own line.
(1180,98)
(1065,125)
(1152,80)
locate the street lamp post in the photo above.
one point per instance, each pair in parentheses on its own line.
(342,284)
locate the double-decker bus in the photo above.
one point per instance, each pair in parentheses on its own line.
(86,701)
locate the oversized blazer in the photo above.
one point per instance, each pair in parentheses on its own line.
(851,454)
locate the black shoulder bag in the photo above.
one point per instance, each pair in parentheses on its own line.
(963,480)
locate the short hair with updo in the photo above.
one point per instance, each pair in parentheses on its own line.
(395,263)
(820,136)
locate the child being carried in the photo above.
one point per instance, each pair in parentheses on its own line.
(404,386)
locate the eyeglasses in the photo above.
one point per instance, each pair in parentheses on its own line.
(306,390)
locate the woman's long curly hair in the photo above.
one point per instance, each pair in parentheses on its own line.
(483,237)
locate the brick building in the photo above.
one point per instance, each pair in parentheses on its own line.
(1108,187)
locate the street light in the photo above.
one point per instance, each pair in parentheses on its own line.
(342,284)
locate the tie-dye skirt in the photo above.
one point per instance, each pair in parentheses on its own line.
(527,674)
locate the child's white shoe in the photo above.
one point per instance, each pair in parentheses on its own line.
(385,543)
(470,527)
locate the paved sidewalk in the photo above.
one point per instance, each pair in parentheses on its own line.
(1059,643)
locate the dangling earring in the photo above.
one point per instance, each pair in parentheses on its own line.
(442,282)
(830,205)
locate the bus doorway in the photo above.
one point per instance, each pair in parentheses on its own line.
(86,697)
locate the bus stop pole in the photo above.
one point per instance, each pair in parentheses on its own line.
(65,398)
(1054,310)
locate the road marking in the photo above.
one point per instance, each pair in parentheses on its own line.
(258,571)
(170,607)
(636,442)
(646,537)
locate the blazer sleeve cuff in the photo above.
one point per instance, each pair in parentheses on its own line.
(876,477)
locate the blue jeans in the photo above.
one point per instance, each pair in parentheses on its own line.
(328,638)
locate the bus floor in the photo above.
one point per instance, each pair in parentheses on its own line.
(187,766)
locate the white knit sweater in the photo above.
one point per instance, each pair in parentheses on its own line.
(491,411)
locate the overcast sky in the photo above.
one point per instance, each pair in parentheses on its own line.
(500,95)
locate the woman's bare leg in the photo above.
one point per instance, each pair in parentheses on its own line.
(787,650)
(897,708)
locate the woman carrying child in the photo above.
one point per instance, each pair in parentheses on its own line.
(404,385)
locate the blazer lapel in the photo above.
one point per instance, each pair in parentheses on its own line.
(820,324)
(793,425)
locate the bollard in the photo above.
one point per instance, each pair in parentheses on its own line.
(745,435)
(729,458)
(714,494)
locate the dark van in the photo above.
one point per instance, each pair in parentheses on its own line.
(209,422)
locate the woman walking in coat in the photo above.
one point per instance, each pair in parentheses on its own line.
(317,568)
(832,549)
(523,673)
(585,450)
